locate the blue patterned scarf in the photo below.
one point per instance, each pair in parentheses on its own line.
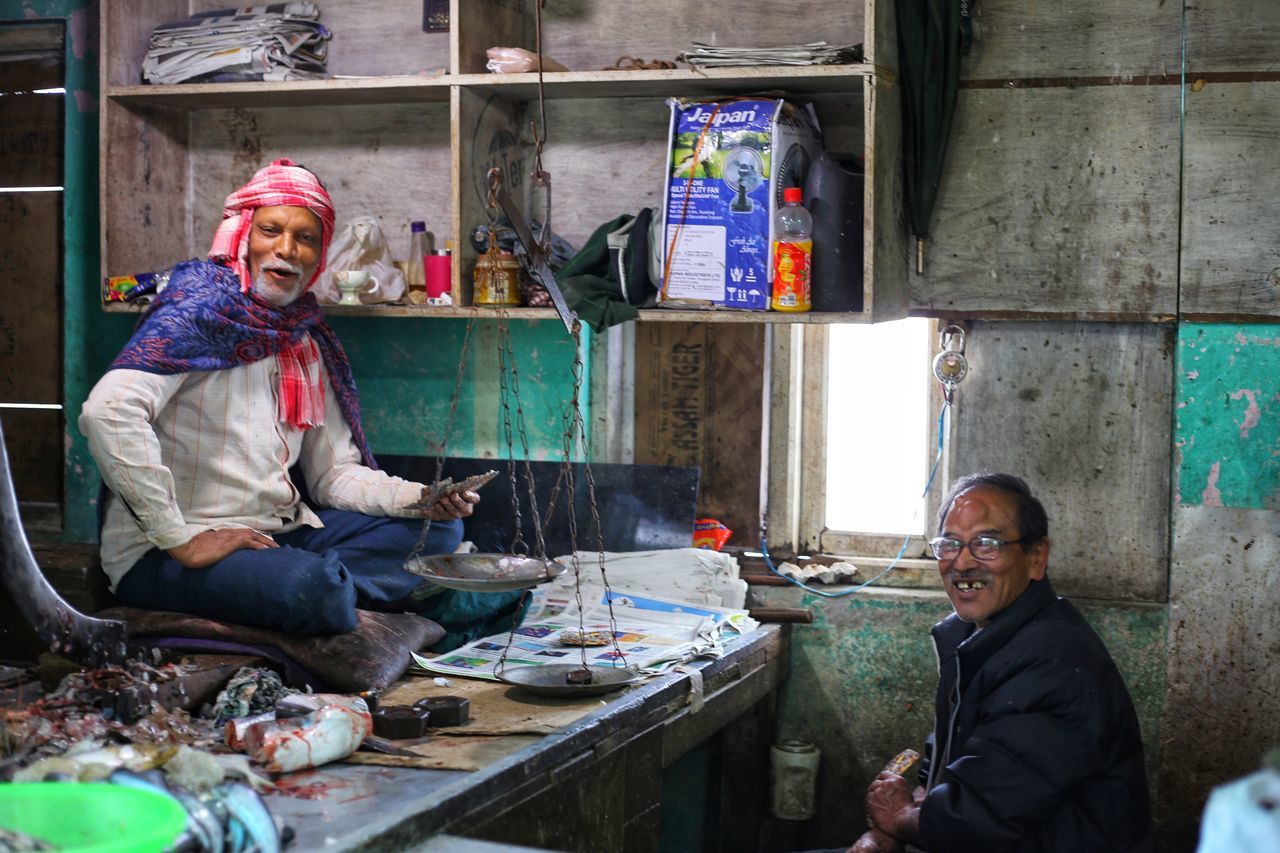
(202,321)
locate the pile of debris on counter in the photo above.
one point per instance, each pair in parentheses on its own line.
(196,733)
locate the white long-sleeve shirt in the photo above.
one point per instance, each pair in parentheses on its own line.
(204,450)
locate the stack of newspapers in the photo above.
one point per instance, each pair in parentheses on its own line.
(814,53)
(280,41)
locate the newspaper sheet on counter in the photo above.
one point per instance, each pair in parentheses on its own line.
(653,634)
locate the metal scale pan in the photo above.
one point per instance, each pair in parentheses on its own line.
(551,679)
(484,572)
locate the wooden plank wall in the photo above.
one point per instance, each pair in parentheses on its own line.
(698,402)
(1230,255)
(396,46)
(1231,218)
(149,225)
(31,125)
(1081,411)
(31,132)
(1057,200)
(1100,39)
(606,156)
(31,339)
(1061,192)
(1233,36)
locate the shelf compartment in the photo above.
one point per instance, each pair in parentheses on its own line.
(586,37)
(370,38)
(163,193)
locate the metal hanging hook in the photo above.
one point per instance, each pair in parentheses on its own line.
(951,334)
(491,204)
(950,366)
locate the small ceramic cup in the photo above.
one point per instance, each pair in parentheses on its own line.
(351,283)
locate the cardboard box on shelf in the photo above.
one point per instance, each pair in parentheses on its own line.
(728,163)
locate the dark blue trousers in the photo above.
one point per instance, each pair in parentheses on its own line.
(313,583)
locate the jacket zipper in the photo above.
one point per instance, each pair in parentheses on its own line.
(934,763)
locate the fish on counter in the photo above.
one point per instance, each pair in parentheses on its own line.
(231,818)
(12,841)
(295,743)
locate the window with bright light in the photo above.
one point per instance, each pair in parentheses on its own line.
(877,425)
(867,439)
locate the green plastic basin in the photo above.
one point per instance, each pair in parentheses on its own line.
(92,817)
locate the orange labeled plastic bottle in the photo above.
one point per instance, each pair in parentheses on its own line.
(792,254)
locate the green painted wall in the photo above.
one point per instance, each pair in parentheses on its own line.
(406,370)
(1227,421)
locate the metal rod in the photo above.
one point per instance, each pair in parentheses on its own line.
(66,631)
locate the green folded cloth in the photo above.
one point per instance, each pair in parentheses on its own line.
(591,282)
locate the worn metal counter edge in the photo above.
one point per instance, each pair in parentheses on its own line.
(636,710)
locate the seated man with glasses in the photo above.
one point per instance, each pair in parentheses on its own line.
(1035,744)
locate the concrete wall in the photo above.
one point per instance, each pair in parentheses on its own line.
(1224,575)
(1109,208)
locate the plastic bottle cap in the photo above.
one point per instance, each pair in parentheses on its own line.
(791,194)
(417,226)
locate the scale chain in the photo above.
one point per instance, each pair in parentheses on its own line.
(577,430)
(509,390)
(506,366)
(448,432)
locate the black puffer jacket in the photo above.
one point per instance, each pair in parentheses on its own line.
(1044,752)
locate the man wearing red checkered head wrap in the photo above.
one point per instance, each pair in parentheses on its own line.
(282,184)
(230,388)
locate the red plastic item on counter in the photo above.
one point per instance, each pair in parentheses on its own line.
(709,533)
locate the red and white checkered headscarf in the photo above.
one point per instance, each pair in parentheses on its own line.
(283,183)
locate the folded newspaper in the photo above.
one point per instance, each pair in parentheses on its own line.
(652,634)
(813,53)
(280,41)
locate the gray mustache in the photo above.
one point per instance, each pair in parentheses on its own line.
(281,266)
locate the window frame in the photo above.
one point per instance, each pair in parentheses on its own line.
(797,442)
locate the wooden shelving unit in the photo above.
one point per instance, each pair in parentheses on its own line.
(412,121)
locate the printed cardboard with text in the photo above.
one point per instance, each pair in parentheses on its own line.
(729,162)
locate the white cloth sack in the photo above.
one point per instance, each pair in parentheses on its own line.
(361,245)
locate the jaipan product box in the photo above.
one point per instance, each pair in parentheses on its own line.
(728,163)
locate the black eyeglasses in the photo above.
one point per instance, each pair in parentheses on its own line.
(981,547)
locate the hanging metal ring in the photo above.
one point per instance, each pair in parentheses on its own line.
(950,366)
(494,179)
